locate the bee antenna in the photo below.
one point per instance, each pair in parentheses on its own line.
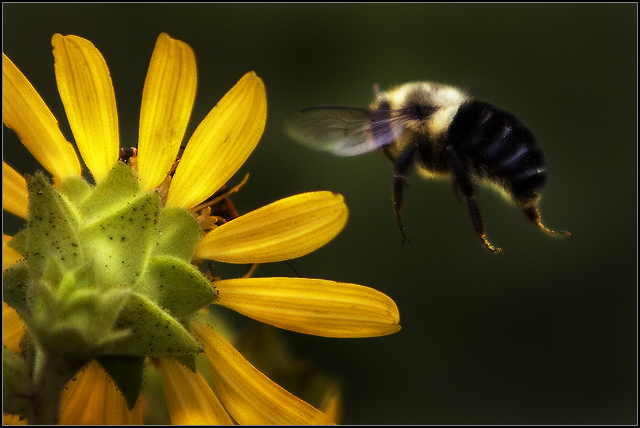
(376,89)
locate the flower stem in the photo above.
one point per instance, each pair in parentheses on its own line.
(51,374)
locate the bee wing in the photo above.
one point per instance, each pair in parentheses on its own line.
(343,131)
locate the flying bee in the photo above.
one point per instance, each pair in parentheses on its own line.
(441,132)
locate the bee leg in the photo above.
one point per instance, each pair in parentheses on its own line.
(463,185)
(399,182)
(532,213)
(401,166)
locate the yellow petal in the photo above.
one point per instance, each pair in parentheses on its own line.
(167,100)
(221,143)
(285,229)
(9,255)
(13,420)
(12,328)
(91,398)
(87,93)
(248,395)
(312,306)
(15,198)
(26,113)
(189,397)
(332,404)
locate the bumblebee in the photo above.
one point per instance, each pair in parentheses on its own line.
(441,132)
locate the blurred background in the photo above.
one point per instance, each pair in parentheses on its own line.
(546,334)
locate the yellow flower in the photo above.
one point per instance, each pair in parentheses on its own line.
(141,224)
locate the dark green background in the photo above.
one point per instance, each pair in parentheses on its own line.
(545,335)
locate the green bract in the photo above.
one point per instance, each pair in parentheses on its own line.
(107,273)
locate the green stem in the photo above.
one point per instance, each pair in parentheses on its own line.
(51,374)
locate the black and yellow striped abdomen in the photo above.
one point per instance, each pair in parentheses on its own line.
(494,145)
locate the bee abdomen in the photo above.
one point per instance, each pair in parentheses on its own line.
(496,146)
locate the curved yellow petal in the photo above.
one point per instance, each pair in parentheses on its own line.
(13,328)
(189,397)
(87,94)
(221,143)
(9,255)
(91,398)
(167,100)
(312,306)
(285,229)
(248,395)
(15,197)
(24,111)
